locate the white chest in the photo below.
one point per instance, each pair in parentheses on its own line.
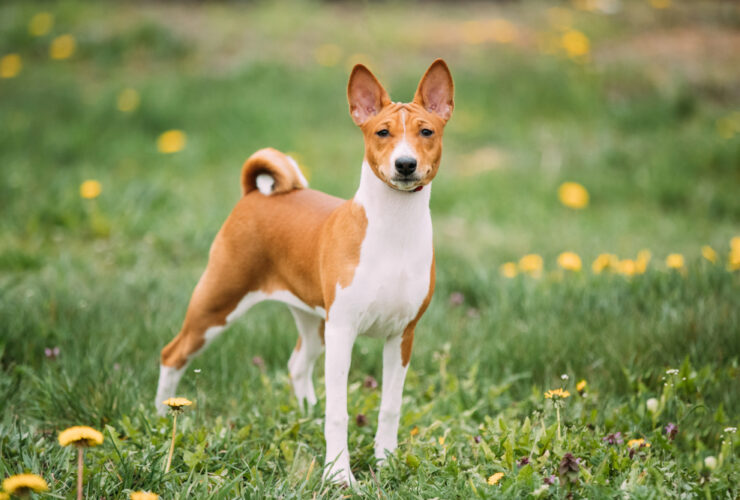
(392,278)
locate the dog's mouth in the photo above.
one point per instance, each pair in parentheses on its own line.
(405,183)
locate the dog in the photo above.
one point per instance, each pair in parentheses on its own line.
(343,267)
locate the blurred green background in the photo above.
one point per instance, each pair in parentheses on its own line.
(636,101)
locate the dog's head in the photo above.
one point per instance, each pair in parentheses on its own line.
(403,141)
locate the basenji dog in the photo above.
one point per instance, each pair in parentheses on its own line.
(344,268)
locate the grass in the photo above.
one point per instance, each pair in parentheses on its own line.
(108,280)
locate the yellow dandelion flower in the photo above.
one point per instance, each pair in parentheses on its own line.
(144,495)
(10,66)
(90,189)
(557,394)
(735,243)
(176,406)
(23,484)
(569,261)
(508,269)
(80,435)
(628,267)
(441,440)
(62,47)
(604,261)
(575,43)
(573,195)
(708,253)
(495,478)
(171,141)
(660,4)
(733,261)
(531,264)
(581,386)
(638,443)
(41,24)
(328,55)
(4,496)
(177,403)
(128,100)
(643,259)
(675,261)
(414,431)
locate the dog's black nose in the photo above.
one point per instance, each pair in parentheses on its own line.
(406,165)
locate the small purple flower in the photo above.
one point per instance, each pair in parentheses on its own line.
(550,480)
(370,383)
(523,461)
(477,439)
(259,363)
(671,430)
(456,298)
(613,439)
(51,352)
(569,468)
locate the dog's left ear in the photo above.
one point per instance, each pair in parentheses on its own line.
(436,90)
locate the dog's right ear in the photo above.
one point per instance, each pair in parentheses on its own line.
(365,94)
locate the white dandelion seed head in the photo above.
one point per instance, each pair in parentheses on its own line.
(652,405)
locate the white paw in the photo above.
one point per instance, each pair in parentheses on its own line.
(339,475)
(169,377)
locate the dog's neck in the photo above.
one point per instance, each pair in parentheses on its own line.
(396,220)
(397,207)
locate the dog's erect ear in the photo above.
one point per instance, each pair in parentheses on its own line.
(436,90)
(365,94)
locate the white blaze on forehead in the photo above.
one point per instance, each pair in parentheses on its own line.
(403,148)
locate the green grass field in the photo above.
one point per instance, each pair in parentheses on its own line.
(640,106)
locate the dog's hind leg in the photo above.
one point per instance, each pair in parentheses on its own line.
(309,346)
(216,302)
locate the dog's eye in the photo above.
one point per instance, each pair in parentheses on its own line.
(383,133)
(426,132)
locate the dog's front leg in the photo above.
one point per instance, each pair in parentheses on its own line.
(394,374)
(339,342)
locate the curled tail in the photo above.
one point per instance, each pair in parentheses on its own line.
(270,171)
